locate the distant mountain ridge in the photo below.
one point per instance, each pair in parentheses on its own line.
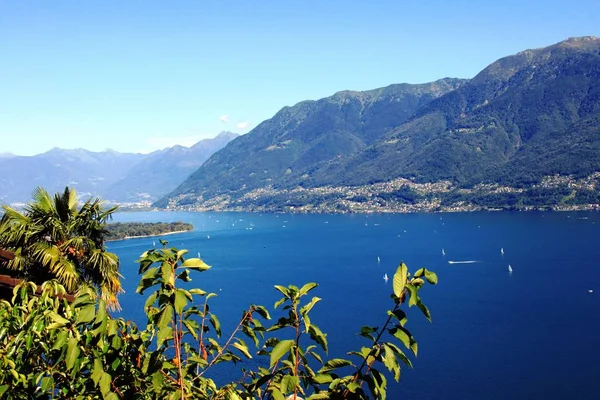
(522,119)
(121,177)
(302,138)
(162,171)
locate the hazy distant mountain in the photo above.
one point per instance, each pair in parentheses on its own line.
(90,172)
(523,118)
(162,171)
(108,174)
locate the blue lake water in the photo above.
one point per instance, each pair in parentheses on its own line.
(532,334)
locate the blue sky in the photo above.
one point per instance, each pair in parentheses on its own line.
(141,75)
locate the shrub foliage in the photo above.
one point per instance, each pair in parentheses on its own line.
(50,348)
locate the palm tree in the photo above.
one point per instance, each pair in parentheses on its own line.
(54,239)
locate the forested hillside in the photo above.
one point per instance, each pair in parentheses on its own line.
(523,120)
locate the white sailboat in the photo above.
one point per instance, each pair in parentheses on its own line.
(509,268)
(153,244)
(443,252)
(502,250)
(385,277)
(378,260)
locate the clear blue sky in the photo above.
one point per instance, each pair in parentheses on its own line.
(140,75)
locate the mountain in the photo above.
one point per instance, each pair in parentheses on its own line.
(523,119)
(109,174)
(162,171)
(302,138)
(90,172)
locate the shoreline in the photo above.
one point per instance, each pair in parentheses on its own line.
(384,210)
(146,236)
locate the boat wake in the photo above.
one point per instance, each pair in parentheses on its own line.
(463,262)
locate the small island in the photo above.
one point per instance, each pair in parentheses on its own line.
(129,230)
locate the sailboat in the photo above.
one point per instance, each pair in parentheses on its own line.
(378,260)
(385,277)
(502,250)
(509,268)
(443,252)
(198,254)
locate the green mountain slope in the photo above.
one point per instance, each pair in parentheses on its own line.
(285,149)
(493,127)
(523,118)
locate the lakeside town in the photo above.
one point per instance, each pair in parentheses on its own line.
(396,196)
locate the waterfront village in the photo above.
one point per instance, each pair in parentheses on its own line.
(372,198)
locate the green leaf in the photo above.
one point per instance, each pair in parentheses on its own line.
(197,291)
(167,274)
(276,394)
(147,280)
(431,277)
(166,316)
(353,386)
(279,302)
(47,383)
(262,312)
(180,300)
(150,300)
(241,346)
(164,333)
(319,396)
(305,309)
(334,363)
(402,334)
(391,362)
(85,314)
(214,321)
(414,296)
(424,310)
(400,354)
(181,253)
(323,378)
(307,288)
(72,352)
(195,264)
(318,336)
(418,282)
(158,380)
(61,340)
(400,279)
(316,356)
(283,291)
(97,371)
(288,384)
(279,351)
(58,319)
(105,382)
(192,327)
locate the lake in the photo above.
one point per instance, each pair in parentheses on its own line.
(530,334)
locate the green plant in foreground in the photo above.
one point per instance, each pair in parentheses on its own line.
(52,349)
(57,237)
